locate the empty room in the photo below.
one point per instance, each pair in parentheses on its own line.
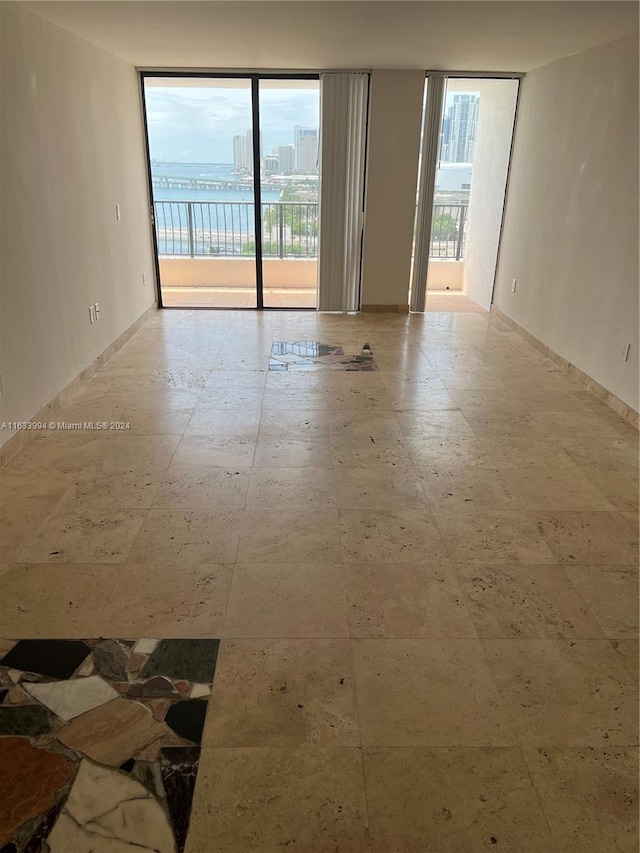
(319,394)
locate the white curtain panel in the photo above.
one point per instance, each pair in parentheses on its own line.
(343,132)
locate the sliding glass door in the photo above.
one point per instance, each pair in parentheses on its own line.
(234,174)
(289,187)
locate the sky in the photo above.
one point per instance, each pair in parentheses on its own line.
(197,125)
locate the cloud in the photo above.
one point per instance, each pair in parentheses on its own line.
(199,123)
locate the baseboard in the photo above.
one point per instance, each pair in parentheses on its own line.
(20,438)
(385,309)
(607,397)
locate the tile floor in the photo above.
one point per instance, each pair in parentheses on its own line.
(423,580)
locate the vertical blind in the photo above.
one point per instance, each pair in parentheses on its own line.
(344,101)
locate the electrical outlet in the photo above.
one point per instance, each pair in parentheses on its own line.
(118,217)
(514,284)
(144,279)
(624,355)
(92,314)
(96,311)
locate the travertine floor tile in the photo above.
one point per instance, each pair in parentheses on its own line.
(290,451)
(220,451)
(436,400)
(19,518)
(620,488)
(404,600)
(122,452)
(227,397)
(268,800)
(453,800)
(212,489)
(242,424)
(84,536)
(360,451)
(377,487)
(547,489)
(287,600)
(244,379)
(175,536)
(126,489)
(180,600)
(629,654)
(565,692)
(611,593)
(283,693)
(525,601)
(427,693)
(460,488)
(156,420)
(405,534)
(294,422)
(54,453)
(417,425)
(289,535)
(54,601)
(604,456)
(489,538)
(590,797)
(279,488)
(584,538)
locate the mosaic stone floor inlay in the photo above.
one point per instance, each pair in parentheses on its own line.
(100,742)
(313,355)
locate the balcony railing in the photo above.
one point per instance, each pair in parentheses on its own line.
(448,231)
(225,229)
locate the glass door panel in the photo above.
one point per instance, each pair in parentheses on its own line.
(201,161)
(289,183)
(476,129)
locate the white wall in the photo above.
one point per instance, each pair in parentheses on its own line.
(392,173)
(486,202)
(571,226)
(71,149)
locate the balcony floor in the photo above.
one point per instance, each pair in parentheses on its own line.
(236,297)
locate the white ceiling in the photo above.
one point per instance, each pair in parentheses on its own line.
(451,35)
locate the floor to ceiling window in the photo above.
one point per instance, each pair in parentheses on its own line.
(468,128)
(234,173)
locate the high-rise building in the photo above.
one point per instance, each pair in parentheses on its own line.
(459,129)
(270,164)
(286,159)
(240,163)
(243,152)
(305,140)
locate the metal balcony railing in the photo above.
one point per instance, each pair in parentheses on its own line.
(225,229)
(448,230)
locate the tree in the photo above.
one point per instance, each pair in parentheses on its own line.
(445,227)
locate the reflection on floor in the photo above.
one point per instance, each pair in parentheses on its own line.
(314,355)
(218,297)
(103,736)
(450,300)
(423,580)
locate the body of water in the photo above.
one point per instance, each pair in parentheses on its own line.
(208,171)
(225,229)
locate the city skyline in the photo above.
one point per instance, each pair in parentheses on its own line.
(198,124)
(301,157)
